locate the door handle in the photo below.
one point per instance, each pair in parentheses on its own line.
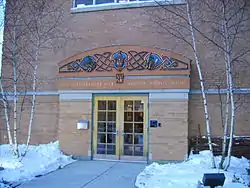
(116,132)
(123,133)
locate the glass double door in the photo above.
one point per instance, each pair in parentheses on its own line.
(120,128)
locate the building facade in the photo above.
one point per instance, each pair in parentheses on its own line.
(121,90)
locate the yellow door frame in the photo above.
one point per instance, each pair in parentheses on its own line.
(119,126)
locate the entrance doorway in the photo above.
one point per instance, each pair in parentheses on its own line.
(120,128)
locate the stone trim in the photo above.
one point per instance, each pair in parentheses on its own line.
(222,91)
(75,96)
(153,96)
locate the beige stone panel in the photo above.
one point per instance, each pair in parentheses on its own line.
(173,118)
(169,151)
(67,125)
(169,142)
(167,130)
(82,107)
(74,141)
(75,144)
(69,122)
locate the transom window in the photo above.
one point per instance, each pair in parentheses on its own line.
(82,3)
(95,5)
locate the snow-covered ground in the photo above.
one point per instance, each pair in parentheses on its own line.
(187,174)
(39,160)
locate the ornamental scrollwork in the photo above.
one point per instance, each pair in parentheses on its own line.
(119,61)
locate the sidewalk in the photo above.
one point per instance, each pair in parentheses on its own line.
(90,174)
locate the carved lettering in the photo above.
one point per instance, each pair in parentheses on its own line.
(166,83)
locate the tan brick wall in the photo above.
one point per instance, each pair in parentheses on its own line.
(73,141)
(169,142)
(196,115)
(45,126)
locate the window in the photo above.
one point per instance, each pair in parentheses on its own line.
(82,3)
(93,5)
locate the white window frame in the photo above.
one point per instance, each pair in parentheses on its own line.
(115,5)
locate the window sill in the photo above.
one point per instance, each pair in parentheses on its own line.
(135,4)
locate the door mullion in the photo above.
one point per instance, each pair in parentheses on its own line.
(145,130)
(95,128)
(117,128)
(121,109)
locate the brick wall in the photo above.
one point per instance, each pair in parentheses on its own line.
(169,142)
(45,125)
(196,115)
(73,141)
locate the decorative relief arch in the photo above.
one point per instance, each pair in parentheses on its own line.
(124,59)
(124,68)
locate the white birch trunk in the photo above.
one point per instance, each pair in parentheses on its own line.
(197,61)
(32,108)
(230,79)
(33,98)
(15,112)
(232,123)
(227,54)
(6,114)
(224,143)
(14,64)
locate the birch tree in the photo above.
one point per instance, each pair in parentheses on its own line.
(197,61)
(227,22)
(230,19)
(31,27)
(233,19)
(181,25)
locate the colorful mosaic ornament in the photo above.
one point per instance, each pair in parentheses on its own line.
(131,61)
(153,61)
(88,64)
(170,63)
(119,60)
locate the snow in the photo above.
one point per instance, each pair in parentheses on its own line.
(188,173)
(80,5)
(39,160)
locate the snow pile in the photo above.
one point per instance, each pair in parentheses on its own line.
(39,160)
(3,186)
(187,174)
